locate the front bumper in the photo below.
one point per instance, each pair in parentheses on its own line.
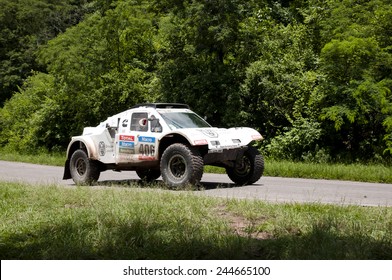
(224,157)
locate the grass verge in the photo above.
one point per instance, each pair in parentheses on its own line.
(376,173)
(54,159)
(51,222)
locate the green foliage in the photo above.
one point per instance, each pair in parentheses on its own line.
(201,39)
(96,70)
(297,142)
(275,93)
(25,118)
(311,70)
(355,92)
(25,26)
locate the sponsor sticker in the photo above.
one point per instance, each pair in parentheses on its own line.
(102,148)
(125,123)
(146,139)
(126,144)
(127,138)
(125,157)
(141,157)
(126,151)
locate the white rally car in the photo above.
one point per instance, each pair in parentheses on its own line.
(165,139)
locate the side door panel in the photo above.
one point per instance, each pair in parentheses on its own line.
(105,146)
(124,142)
(135,142)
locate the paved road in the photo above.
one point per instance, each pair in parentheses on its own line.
(273,189)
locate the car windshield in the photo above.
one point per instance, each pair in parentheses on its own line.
(183,120)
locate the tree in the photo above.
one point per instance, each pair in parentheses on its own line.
(313,77)
(25,26)
(96,69)
(355,91)
(198,59)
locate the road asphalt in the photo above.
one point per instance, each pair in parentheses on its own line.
(271,189)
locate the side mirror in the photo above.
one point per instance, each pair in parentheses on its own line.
(155,125)
(112,123)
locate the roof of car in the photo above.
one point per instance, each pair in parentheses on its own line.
(162,106)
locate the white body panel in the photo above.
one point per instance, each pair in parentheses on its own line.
(120,141)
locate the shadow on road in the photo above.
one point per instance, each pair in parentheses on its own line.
(160,184)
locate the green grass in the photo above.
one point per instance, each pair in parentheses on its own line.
(354,172)
(377,173)
(129,222)
(54,159)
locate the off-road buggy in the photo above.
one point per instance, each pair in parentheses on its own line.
(163,139)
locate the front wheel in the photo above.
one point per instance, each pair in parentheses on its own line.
(181,165)
(248,169)
(84,171)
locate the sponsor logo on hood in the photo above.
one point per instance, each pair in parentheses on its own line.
(210,133)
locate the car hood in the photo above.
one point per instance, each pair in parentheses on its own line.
(221,138)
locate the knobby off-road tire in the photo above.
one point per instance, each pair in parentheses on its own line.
(84,171)
(247,169)
(181,165)
(148,175)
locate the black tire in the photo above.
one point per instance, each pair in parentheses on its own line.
(84,171)
(181,165)
(248,169)
(148,175)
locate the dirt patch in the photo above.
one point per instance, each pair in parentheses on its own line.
(243,226)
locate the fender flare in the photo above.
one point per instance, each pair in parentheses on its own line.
(84,143)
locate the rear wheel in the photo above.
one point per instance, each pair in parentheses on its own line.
(248,169)
(181,165)
(84,171)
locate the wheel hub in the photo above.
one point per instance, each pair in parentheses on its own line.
(81,167)
(177,166)
(243,167)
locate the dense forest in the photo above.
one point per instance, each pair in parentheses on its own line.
(314,77)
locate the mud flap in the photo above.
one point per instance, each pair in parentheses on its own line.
(67,171)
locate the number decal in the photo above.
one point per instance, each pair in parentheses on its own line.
(146,148)
(146,152)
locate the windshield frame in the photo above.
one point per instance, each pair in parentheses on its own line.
(183,119)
